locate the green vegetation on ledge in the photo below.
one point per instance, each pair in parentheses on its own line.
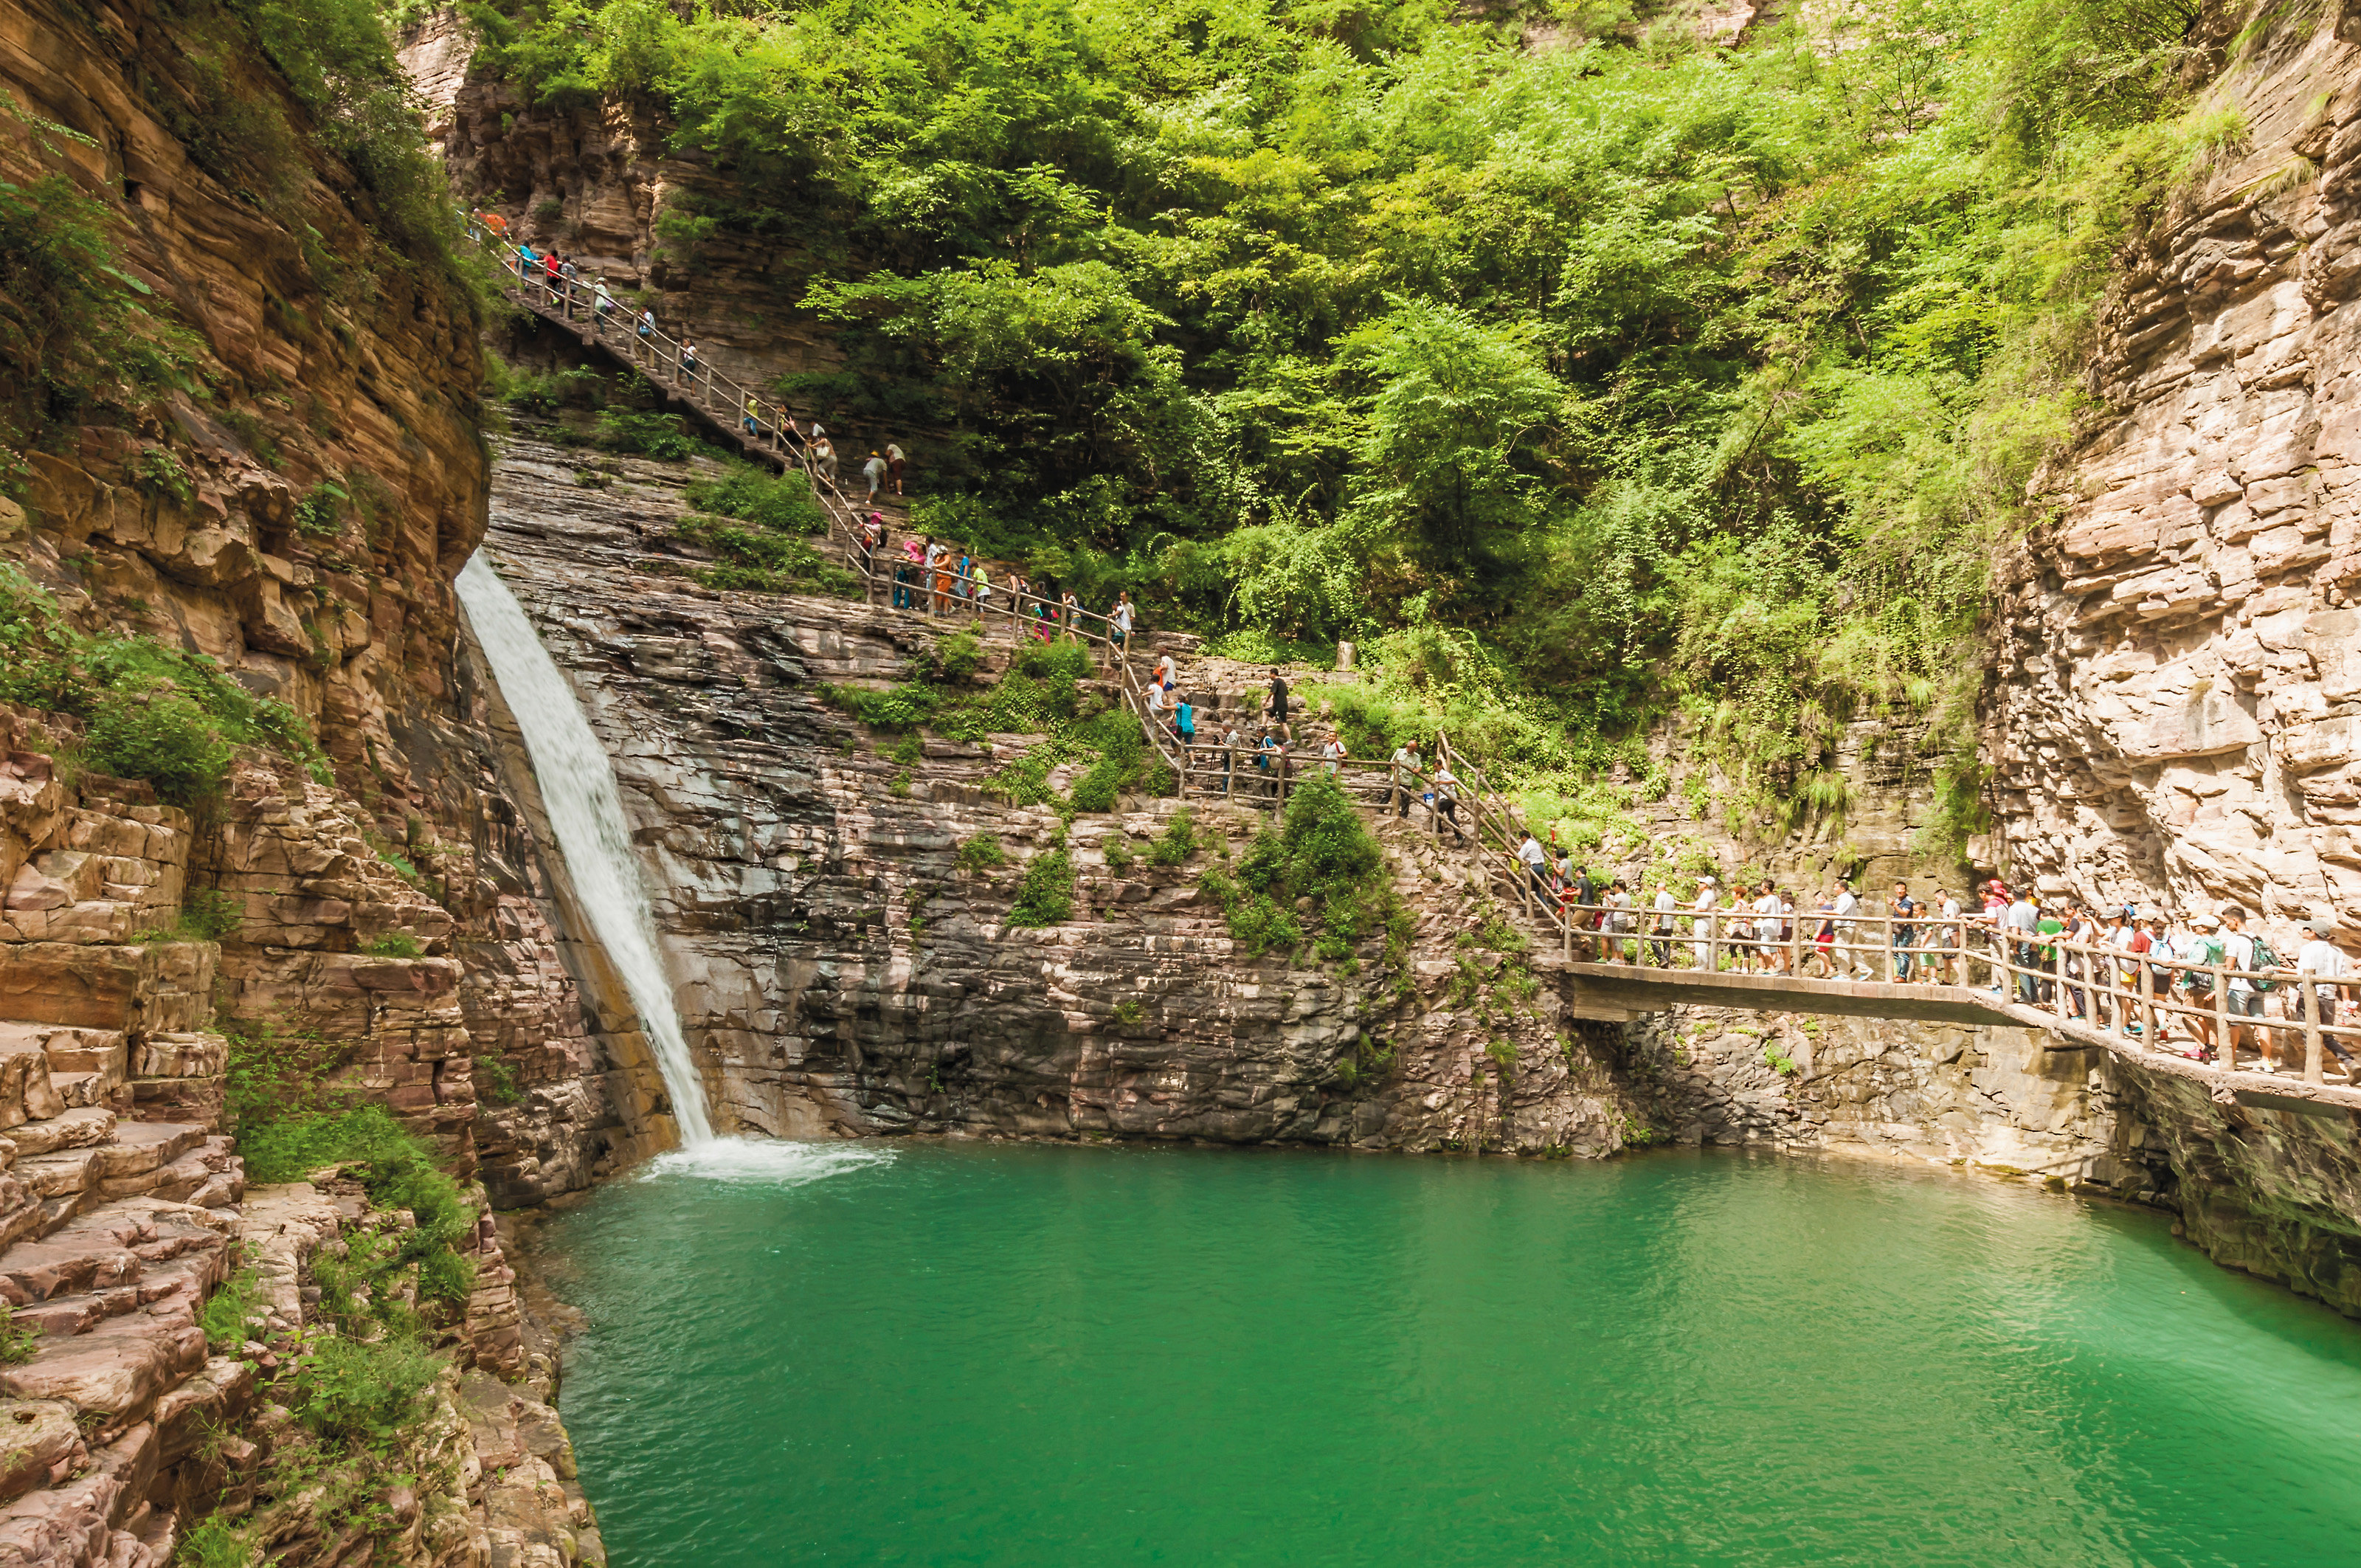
(1664,374)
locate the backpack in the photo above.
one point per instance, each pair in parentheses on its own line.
(2264,959)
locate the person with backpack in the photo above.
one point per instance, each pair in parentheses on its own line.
(686,372)
(2319,969)
(1903,935)
(2242,992)
(648,334)
(2197,950)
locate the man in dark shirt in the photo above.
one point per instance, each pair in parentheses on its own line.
(1278,697)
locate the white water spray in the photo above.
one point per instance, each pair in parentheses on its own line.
(577,785)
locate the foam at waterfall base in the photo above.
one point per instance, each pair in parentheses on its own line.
(768,1162)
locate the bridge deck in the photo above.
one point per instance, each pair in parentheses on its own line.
(1616,991)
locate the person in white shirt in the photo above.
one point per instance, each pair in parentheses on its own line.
(1154,704)
(1767,931)
(2240,997)
(2320,959)
(1334,752)
(1621,922)
(1700,928)
(1447,795)
(1660,952)
(1403,782)
(1848,902)
(1946,939)
(1536,858)
(1121,619)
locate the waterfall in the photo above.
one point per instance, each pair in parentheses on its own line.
(577,785)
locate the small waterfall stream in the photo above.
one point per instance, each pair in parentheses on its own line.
(577,785)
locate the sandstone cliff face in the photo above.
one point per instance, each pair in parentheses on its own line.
(837,971)
(344,611)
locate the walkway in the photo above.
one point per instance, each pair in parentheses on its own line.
(1713,959)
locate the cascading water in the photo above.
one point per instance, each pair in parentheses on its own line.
(577,785)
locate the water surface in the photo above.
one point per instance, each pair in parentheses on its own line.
(1034,1355)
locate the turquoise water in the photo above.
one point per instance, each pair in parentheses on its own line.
(1042,1355)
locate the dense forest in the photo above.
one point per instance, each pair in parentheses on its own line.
(1579,364)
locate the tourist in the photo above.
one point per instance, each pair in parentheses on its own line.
(1332,754)
(1701,922)
(1120,633)
(1072,608)
(872,533)
(2242,991)
(526,260)
(1947,942)
(2318,960)
(553,278)
(648,333)
(2122,1003)
(873,472)
(1847,949)
(1531,853)
(1276,705)
(1446,801)
(1271,757)
(1403,782)
(567,276)
(1659,929)
(602,307)
(1769,938)
(1901,934)
(1164,668)
(2198,950)
(894,463)
(1154,704)
(823,457)
(1184,726)
(685,371)
(906,574)
(1620,922)
(1232,739)
(2020,921)
(981,592)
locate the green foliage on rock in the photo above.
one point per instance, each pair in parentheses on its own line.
(1045,896)
(1663,373)
(149,712)
(1319,870)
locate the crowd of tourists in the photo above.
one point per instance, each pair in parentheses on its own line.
(2128,969)
(558,278)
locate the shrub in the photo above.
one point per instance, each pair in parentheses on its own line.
(157,472)
(17,1345)
(319,514)
(1176,843)
(210,915)
(658,436)
(1322,852)
(496,1081)
(1119,854)
(778,503)
(394,945)
(213,1542)
(981,852)
(959,657)
(223,1315)
(159,735)
(360,1393)
(1046,897)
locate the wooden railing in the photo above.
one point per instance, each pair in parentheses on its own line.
(2095,986)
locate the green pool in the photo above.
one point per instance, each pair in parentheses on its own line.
(1045,1355)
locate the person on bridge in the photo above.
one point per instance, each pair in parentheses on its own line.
(1770,934)
(2243,996)
(1701,922)
(2319,962)
(2022,923)
(1901,906)
(874,472)
(2200,948)
(1619,923)
(894,463)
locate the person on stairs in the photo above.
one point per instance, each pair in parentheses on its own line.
(823,456)
(874,472)
(894,463)
(1276,705)
(1536,861)
(1121,619)
(1404,781)
(568,274)
(602,307)
(686,371)
(1446,801)
(648,334)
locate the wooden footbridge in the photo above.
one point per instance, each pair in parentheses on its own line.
(1614,964)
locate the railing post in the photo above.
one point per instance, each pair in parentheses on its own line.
(2225,1053)
(1713,942)
(2313,1068)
